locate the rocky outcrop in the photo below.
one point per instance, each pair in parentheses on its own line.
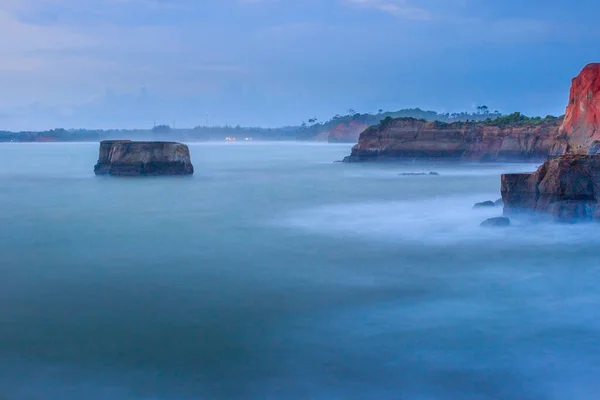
(581,126)
(485,204)
(127,158)
(346,132)
(566,187)
(479,141)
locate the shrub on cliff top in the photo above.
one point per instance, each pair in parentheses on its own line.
(518,119)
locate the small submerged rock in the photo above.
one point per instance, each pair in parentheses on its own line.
(498,222)
(419,174)
(485,204)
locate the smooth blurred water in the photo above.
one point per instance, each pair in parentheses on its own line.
(274,273)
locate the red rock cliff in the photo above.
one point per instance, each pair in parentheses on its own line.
(582,118)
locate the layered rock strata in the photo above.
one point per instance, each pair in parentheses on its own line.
(475,141)
(128,158)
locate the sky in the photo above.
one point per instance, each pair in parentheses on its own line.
(133,63)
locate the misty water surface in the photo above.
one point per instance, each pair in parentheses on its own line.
(274,273)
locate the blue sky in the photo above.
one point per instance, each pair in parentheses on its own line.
(127,63)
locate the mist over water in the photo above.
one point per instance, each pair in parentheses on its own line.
(274,273)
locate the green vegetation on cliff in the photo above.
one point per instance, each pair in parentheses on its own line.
(518,119)
(314,129)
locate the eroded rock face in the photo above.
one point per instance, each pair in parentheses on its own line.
(566,187)
(127,158)
(413,138)
(582,119)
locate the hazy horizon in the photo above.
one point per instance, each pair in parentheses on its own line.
(127,63)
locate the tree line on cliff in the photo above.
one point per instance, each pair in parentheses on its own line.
(314,129)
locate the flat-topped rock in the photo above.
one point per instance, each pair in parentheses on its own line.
(129,158)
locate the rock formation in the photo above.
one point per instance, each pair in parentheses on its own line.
(477,141)
(485,204)
(127,158)
(498,222)
(566,187)
(581,126)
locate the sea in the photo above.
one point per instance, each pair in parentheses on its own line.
(276,273)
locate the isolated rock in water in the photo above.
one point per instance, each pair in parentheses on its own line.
(581,126)
(419,174)
(566,187)
(484,204)
(496,222)
(128,158)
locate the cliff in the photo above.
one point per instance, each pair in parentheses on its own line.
(582,119)
(483,141)
(127,158)
(566,187)
(518,138)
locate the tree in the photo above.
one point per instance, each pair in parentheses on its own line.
(380,111)
(351,111)
(161,129)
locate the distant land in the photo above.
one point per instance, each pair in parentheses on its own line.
(339,129)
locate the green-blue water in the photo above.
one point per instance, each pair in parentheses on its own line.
(274,273)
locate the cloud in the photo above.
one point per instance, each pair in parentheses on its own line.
(399,8)
(236,56)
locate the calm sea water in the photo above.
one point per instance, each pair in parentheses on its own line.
(274,273)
